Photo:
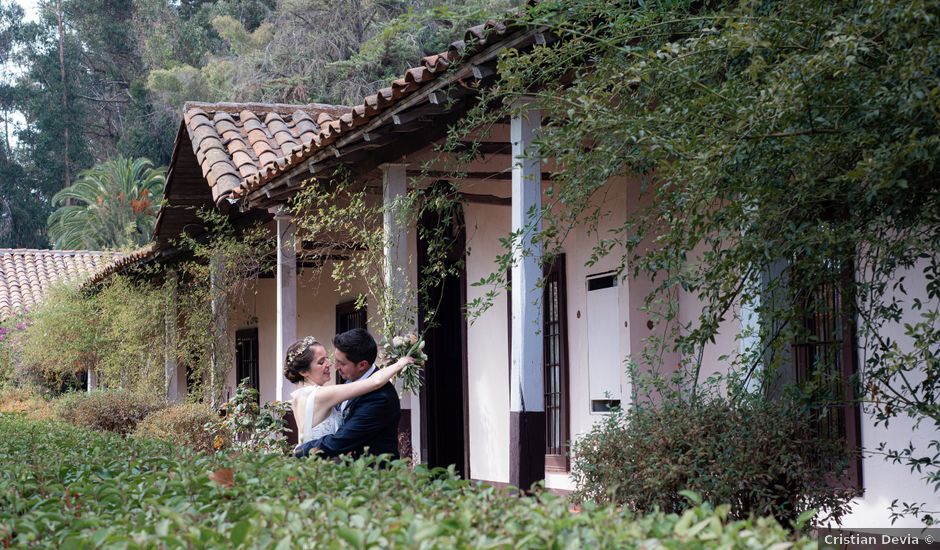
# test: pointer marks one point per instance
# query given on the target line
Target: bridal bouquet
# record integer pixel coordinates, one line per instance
(407, 346)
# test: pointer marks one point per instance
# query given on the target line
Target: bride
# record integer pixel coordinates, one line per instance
(314, 402)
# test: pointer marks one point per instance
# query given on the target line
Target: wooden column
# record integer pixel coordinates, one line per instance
(286, 300)
(397, 254)
(526, 406)
(171, 316)
(220, 360)
(395, 187)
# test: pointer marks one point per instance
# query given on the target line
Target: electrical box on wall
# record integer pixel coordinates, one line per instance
(602, 310)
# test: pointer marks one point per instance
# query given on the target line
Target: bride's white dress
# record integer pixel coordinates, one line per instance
(329, 425)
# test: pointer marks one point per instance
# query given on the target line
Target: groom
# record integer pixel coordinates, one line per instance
(370, 420)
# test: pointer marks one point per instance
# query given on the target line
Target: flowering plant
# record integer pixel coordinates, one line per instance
(406, 346)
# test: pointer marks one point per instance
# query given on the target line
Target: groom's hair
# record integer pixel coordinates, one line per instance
(357, 344)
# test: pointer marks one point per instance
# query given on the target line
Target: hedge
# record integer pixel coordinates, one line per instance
(68, 487)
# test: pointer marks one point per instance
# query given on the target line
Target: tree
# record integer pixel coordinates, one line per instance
(114, 206)
(784, 147)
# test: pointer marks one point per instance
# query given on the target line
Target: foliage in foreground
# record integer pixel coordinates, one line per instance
(756, 455)
(104, 491)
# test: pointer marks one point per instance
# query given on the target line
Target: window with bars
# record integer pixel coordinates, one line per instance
(554, 361)
(348, 318)
(824, 358)
(246, 357)
(555, 365)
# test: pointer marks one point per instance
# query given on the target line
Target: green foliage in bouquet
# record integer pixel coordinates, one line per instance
(395, 348)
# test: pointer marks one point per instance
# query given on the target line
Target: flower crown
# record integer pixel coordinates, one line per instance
(297, 351)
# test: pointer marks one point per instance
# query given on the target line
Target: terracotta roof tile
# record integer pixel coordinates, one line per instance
(121, 262)
(27, 275)
(235, 141)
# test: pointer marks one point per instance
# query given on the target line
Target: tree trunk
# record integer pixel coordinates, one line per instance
(65, 96)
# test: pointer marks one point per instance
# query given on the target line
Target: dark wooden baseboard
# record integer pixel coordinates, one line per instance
(526, 448)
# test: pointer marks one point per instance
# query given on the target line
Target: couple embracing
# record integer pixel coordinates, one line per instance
(349, 418)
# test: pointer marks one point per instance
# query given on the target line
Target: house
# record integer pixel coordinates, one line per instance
(506, 393)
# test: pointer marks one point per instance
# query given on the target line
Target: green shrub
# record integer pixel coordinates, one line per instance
(65, 487)
(756, 455)
(116, 411)
(247, 427)
(192, 425)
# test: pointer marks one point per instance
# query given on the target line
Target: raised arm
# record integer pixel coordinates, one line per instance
(329, 396)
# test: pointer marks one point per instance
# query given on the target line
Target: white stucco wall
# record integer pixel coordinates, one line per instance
(883, 481)
(488, 345)
(487, 348)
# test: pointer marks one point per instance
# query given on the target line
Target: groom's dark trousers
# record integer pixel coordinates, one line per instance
(371, 420)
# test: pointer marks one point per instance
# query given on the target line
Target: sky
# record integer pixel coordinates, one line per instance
(31, 8)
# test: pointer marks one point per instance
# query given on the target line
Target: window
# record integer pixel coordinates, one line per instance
(555, 365)
(824, 358)
(554, 361)
(246, 357)
(348, 318)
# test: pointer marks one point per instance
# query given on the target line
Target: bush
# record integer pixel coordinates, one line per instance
(104, 491)
(117, 411)
(192, 425)
(756, 455)
(247, 427)
(25, 400)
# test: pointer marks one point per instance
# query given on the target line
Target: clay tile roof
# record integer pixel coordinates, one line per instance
(274, 157)
(27, 275)
(125, 260)
(234, 142)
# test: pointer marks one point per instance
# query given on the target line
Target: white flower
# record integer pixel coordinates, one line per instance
(421, 345)
(398, 341)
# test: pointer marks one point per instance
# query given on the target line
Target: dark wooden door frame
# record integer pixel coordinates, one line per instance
(464, 368)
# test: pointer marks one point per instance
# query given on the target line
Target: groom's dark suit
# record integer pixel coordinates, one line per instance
(371, 420)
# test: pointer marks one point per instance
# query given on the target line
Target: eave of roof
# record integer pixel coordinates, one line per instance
(487, 36)
(127, 260)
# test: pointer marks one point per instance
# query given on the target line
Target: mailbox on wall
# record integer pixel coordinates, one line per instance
(603, 342)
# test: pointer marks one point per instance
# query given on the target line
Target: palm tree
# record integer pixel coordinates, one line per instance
(112, 205)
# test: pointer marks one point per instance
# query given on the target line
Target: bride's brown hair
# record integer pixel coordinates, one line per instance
(299, 357)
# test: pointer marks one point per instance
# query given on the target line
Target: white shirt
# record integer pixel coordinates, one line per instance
(365, 375)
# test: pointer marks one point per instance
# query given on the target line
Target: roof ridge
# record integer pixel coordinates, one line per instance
(234, 107)
(55, 251)
(476, 38)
